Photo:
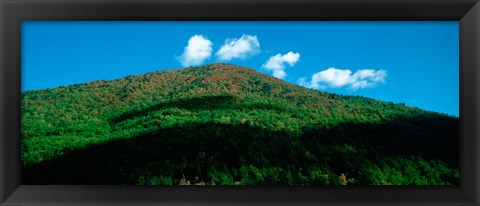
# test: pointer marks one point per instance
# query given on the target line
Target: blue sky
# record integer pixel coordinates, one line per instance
(416, 63)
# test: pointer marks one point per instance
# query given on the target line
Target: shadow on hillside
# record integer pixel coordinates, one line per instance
(193, 149)
(427, 137)
(190, 148)
(200, 103)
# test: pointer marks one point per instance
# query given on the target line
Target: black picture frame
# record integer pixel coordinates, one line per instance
(13, 12)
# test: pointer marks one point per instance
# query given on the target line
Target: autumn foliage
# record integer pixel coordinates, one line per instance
(223, 124)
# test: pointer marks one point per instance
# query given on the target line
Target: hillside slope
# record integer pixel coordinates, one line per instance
(226, 124)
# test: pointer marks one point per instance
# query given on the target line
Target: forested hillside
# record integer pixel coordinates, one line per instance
(229, 125)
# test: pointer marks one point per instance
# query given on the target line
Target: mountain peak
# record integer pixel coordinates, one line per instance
(225, 76)
(217, 122)
(220, 64)
(220, 67)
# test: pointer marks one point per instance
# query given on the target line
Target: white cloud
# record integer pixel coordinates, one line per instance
(198, 50)
(279, 74)
(332, 77)
(335, 78)
(277, 63)
(241, 48)
(302, 81)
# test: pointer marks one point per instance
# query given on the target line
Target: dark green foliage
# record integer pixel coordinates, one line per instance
(228, 125)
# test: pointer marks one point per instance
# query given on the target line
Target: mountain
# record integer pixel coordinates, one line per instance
(227, 124)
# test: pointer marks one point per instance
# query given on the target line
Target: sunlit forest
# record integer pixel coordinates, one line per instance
(222, 124)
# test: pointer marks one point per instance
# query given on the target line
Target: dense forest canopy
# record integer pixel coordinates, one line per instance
(227, 124)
